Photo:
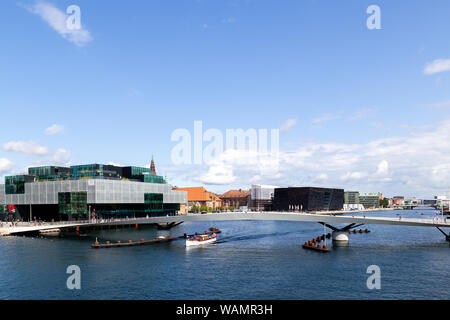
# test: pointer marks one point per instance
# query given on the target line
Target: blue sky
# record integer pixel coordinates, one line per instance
(145, 68)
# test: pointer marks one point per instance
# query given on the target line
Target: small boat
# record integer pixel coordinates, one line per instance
(202, 239)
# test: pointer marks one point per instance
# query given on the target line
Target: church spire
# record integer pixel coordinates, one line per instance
(152, 168)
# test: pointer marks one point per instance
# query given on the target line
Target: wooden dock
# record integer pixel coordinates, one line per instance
(315, 244)
(315, 248)
(142, 242)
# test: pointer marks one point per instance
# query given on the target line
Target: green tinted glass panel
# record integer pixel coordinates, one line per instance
(72, 203)
(49, 173)
(15, 185)
(40, 171)
(154, 201)
(90, 171)
(135, 171)
(154, 179)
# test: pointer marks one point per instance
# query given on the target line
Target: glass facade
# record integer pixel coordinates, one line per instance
(92, 171)
(16, 184)
(351, 197)
(153, 179)
(369, 200)
(40, 171)
(74, 203)
(154, 201)
(99, 191)
(135, 171)
(63, 192)
(171, 207)
(142, 174)
(327, 196)
(49, 173)
(153, 206)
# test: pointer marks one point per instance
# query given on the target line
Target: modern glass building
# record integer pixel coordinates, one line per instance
(351, 197)
(261, 197)
(61, 193)
(369, 200)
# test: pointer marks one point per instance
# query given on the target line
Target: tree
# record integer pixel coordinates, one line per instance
(384, 203)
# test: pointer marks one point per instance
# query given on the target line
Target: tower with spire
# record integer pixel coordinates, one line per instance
(152, 168)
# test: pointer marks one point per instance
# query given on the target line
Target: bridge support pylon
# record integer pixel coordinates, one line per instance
(447, 236)
(340, 236)
(167, 226)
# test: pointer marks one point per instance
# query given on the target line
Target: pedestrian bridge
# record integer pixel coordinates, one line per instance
(25, 228)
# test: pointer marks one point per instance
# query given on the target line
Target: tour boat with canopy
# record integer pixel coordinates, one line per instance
(201, 239)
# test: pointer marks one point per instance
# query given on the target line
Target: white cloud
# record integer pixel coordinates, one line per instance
(412, 164)
(383, 167)
(44, 162)
(231, 164)
(437, 66)
(354, 175)
(54, 129)
(119, 165)
(322, 176)
(28, 147)
(57, 20)
(61, 156)
(219, 173)
(325, 118)
(289, 123)
(5, 165)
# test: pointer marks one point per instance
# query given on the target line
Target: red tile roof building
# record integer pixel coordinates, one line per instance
(199, 196)
(235, 198)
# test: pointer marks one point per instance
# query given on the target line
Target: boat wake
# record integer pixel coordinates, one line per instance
(252, 237)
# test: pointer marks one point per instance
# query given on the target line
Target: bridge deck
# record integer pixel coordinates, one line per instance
(249, 216)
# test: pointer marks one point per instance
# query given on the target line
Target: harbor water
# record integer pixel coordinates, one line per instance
(251, 260)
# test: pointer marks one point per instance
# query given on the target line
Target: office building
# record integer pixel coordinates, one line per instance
(369, 200)
(261, 197)
(308, 199)
(235, 199)
(351, 197)
(107, 191)
(200, 197)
